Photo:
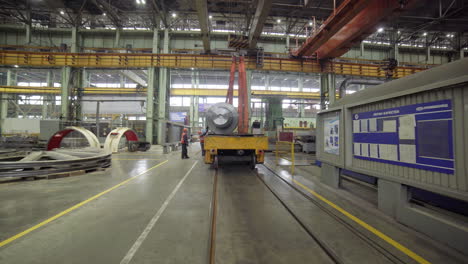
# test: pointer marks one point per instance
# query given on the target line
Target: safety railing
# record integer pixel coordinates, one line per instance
(284, 153)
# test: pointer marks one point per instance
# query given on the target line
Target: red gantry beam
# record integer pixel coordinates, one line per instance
(353, 21)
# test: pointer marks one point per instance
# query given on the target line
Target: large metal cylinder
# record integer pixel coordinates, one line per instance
(222, 118)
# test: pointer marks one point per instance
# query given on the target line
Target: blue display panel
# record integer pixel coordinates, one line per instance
(418, 136)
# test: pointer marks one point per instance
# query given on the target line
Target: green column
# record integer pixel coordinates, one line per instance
(327, 89)
(47, 99)
(274, 113)
(300, 84)
(163, 93)
(152, 82)
(150, 95)
(65, 93)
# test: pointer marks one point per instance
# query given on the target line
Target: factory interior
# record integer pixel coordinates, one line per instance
(233, 131)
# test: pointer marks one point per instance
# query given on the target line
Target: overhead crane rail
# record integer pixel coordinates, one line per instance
(174, 92)
(189, 61)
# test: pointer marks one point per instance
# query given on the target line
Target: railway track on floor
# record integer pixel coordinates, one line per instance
(323, 244)
(213, 213)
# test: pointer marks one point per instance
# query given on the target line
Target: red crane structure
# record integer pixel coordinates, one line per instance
(350, 23)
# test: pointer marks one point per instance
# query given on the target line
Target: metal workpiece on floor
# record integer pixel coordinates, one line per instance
(43, 163)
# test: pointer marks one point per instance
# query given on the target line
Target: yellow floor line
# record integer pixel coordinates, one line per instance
(373, 230)
(29, 230)
(136, 159)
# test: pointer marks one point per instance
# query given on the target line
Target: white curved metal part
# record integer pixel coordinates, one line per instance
(56, 139)
(113, 138)
(92, 139)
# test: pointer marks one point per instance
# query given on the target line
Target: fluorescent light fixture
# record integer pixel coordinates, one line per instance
(310, 23)
(138, 2)
(16, 66)
(174, 15)
(425, 34)
(279, 20)
(380, 30)
(61, 12)
(399, 32)
(210, 17)
(104, 14)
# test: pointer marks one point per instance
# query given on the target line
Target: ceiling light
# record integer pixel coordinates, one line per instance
(425, 34)
(279, 20)
(61, 12)
(310, 23)
(16, 66)
(104, 14)
(380, 30)
(174, 15)
(138, 2)
(210, 17)
(398, 32)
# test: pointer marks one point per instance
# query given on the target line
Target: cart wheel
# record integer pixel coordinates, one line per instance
(215, 164)
(253, 162)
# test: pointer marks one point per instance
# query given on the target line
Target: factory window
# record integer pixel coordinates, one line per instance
(179, 101)
(30, 100)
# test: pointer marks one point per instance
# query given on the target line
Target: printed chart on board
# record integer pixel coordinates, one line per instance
(331, 132)
(418, 136)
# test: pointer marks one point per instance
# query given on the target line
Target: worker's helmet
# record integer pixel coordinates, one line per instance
(185, 129)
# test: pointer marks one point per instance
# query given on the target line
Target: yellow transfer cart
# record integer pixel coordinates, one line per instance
(239, 147)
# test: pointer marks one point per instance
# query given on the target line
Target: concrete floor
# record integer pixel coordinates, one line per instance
(252, 225)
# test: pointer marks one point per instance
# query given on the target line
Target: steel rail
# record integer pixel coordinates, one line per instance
(386, 253)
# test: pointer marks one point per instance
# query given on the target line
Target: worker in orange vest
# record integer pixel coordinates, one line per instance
(184, 142)
(202, 135)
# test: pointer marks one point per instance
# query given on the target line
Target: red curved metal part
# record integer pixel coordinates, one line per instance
(56, 139)
(130, 135)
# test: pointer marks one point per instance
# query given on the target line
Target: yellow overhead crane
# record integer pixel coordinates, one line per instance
(188, 61)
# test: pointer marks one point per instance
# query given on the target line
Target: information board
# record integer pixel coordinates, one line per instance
(331, 135)
(177, 116)
(418, 136)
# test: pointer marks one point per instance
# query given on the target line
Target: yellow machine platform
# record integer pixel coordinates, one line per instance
(249, 147)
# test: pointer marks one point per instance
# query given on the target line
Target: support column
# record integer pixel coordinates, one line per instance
(394, 45)
(12, 77)
(267, 81)
(287, 43)
(362, 49)
(47, 99)
(74, 40)
(150, 95)
(10, 80)
(65, 93)
(300, 84)
(118, 32)
(79, 83)
(327, 89)
(27, 39)
(194, 100)
(162, 95)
